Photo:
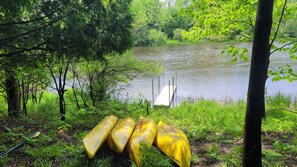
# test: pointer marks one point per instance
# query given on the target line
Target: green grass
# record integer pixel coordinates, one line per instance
(214, 130)
(177, 42)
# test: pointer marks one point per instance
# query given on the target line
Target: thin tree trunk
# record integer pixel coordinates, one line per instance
(34, 93)
(91, 82)
(60, 87)
(74, 94)
(252, 156)
(80, 86)
(25, 95)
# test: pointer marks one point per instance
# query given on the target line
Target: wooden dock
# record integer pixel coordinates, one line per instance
(166, 96)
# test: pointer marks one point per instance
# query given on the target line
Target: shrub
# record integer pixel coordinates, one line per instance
(157, 37)
(177, 34)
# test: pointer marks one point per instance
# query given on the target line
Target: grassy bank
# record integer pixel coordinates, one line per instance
(214, 131)
(186, 42)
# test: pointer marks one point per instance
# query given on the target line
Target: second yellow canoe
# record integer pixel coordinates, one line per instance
(96, 137)
(145, 132)
(120, 134)
(173, 143)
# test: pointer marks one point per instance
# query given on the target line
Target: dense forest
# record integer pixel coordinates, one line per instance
(61, 64)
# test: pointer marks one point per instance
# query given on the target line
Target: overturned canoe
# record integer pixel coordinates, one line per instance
(144, 132)
(173, 143)
(120, 134)
(96, 137)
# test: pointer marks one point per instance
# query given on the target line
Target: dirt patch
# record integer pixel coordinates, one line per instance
(212, 153)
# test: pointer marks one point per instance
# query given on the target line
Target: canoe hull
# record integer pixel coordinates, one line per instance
(145, 132)
(96, 137)
(174, 144)
(120, 134)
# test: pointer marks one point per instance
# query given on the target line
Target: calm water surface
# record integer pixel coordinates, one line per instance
(202, 72)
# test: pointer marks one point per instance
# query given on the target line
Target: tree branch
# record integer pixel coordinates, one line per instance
(273, 68)
(53, 75)
(29, 21)
(279, 22)
(23, 50)
(34, 30)
(282, 47)
(35, 48)
(37, 19)
(251, 23)
(65, 74)
(291, 111)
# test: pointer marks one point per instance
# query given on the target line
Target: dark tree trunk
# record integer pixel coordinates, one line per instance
(13, 96)
(62, 105)
(252, 156)
(74, 94)
(34, 93)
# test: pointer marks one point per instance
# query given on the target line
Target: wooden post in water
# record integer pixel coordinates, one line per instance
(169, 94)
(163, 80)
(173, 91)
(176, 88)
(152, 93)
(158, 84)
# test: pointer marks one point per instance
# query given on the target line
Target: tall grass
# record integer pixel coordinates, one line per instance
(278, 117)
(199, 118)
(279, 100)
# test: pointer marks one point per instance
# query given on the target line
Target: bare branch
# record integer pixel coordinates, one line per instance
(274, 69)
(52, 74)
(279, 22)
(251, 24)
(292, 111)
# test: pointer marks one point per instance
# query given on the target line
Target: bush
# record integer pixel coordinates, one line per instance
(148, 37)
(177, 34)
(157, 37)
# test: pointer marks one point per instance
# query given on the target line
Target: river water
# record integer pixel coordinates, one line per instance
(200, 71)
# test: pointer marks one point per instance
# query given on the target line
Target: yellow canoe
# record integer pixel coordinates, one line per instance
(96, 137)
(145, 132)
(173, 143)
(120, 134)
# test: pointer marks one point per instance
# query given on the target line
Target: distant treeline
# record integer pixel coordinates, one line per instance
(156, 21)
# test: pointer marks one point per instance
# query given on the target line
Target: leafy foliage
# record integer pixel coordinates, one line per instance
(155, 21)
(237, 53)
(231, 19)
(102, 79)
(38, 31)
(283, 73)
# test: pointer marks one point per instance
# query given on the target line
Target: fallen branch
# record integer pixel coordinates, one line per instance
(291, 111)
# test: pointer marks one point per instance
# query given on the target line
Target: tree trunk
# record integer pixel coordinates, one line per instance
(91, 82)
(255, 110)
(75, 96)
(62, 105)
(25, 91)
(13, 96)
